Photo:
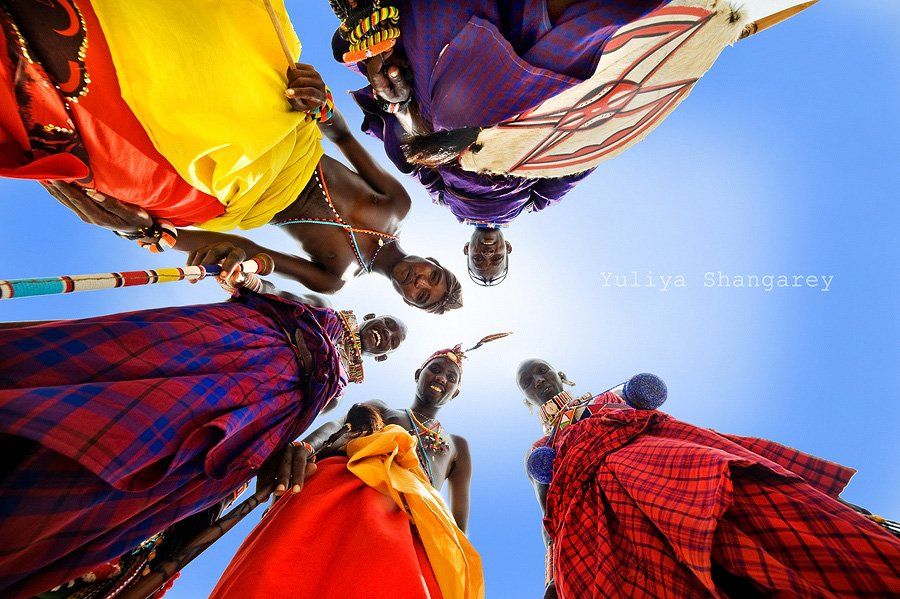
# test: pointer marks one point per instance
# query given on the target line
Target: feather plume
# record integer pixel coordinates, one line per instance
(488, 339)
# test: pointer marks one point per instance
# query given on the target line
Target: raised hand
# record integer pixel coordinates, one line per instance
(386, 76)
(227, 254)
(287, 470)
(98, 209)
(306, 90)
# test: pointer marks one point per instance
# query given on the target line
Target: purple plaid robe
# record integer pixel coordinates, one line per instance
(477, 63)
(121, 425)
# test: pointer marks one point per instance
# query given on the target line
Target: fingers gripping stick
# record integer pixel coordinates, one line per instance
(261, 264)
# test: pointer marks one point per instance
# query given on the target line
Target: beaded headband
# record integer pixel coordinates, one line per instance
(456, 354)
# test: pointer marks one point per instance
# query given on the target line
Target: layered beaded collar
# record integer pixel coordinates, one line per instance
(351, 347)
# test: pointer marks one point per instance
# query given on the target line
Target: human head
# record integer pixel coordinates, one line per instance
(381, 335)
(438, 379)
(425, 284)
(487, 255)
(539, 381)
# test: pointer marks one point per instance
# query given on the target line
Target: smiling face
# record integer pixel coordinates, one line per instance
(488, 256)
(382, 335)
(539, 381)
(438, 381)
(422, 282)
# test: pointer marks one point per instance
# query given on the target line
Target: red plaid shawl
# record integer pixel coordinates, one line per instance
(131, 422)
(642, 505)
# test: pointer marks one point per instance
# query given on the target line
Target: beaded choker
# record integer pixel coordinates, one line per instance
(351, 347)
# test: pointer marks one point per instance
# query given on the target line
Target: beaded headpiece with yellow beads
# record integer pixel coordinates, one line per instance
(371, 28)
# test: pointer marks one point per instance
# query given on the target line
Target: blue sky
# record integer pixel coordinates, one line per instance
(783, 161)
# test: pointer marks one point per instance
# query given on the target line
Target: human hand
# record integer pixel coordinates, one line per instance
(225, 253)
(385, 74)
(287, 470)
(306, 89)
(98, 209)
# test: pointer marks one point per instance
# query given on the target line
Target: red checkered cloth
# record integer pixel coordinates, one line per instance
(642, 505)
(125, 424)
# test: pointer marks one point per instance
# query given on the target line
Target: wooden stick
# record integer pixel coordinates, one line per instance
(162, 572)
(280, 31)
(774, 19)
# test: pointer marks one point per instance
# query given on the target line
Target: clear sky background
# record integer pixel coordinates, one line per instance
(783, 161)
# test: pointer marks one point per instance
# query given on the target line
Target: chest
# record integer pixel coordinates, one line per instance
(435, 452)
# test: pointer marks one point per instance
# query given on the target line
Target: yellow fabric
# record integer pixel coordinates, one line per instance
(206, 79)
(387, 462)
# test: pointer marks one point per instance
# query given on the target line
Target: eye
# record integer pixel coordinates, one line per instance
(435, 368)
(435, 277)
(391, 324)
(478, 260)
(542, 370)
(451, 377)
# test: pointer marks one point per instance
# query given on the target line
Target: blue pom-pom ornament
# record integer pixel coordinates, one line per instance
(540, 464)
(645, 391)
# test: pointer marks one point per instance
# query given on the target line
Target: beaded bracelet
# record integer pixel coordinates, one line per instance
(157, 238)
(325, 112)
(393, 107)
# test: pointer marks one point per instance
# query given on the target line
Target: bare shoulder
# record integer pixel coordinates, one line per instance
(461, 446)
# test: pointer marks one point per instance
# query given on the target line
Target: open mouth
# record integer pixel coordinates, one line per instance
(436, 388)
(376, 337)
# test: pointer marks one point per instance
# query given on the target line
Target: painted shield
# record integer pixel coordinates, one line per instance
(648, 67)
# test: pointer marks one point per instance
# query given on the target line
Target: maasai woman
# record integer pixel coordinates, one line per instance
(178, 111)
(474, 64)
(118, 426)
(370, 522)
(642, 505)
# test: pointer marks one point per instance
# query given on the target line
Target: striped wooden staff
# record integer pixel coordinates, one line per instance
(261, 264)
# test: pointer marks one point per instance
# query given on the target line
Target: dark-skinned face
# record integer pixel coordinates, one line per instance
(381, 335)
(538, 381)
(438, 381)
(420, 281)
(487, 253)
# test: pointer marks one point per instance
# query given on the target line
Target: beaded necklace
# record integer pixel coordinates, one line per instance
(383, 238)
(430, 438)
(351, 347)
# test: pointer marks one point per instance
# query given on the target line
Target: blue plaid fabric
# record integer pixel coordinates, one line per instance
(477, 63)
(127, 423)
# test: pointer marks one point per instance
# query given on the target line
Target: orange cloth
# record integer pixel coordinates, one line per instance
(338, 538)
(123, 161)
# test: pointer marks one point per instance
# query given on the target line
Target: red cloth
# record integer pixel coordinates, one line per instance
(337, 538)
(642, 505)
(107, 148)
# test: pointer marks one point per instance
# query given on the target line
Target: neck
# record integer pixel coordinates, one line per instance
(423, 409)
(388, 258)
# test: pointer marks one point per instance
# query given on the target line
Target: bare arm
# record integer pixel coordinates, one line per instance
(460, 480)
(367, 167)
(540, 493)
(207, 247)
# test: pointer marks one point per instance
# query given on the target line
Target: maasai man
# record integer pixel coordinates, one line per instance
(116, 427)
(370, 522)
(642, 505)
(474, 64)
(195, 125)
